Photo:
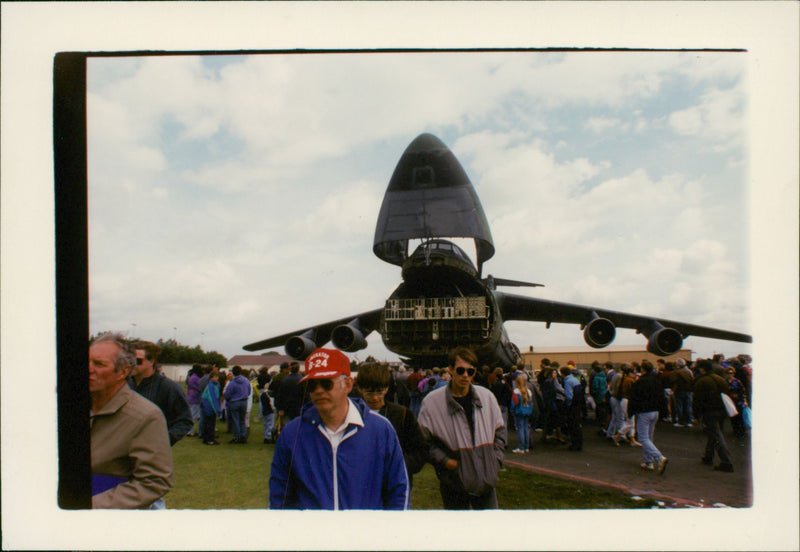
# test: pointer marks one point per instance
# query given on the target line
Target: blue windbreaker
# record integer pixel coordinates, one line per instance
(209, 400)
(368, 472)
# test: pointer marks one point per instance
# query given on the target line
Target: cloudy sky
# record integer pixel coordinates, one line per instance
(233, 198)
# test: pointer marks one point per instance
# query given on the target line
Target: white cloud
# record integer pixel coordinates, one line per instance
(343, 213)
(253, 190)
(718, 118)
(601, 124)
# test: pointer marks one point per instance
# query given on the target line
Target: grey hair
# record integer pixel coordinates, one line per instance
(126, 357)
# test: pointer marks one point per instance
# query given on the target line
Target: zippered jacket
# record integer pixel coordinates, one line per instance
(444, 424)
(210, 399)
(684, 380)
(131, 457)
(170, 398)
(365, 472)
(647, 394)
(415, 449)
(706, 397)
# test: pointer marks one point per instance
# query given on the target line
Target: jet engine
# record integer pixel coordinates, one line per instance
(348, 337)
(300, 346)
(599, 332)
(664, 341)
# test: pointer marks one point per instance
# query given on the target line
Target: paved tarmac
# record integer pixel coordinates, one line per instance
(686, 482)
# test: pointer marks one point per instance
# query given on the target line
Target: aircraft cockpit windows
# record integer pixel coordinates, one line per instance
(460, 252)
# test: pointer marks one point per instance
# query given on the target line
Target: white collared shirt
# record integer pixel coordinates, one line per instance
(335, 436)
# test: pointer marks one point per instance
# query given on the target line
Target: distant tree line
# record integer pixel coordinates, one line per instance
(173, 352)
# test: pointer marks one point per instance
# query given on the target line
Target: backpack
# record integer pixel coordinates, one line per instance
(519, 408)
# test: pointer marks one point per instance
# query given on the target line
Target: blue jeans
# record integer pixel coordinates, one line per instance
(237, 410)
(628, 423)
(523, 424)
(617, 417)
(195, 410)
(645, 426)
(504, 412)
(415, 403)
(269, 423)
(683, 403)
(158, 504)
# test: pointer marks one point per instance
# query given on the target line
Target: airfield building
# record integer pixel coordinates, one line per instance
(584, 356)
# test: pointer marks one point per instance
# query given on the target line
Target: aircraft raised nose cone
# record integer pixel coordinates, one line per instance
(425, 142)
(429, 196)
(428, 163)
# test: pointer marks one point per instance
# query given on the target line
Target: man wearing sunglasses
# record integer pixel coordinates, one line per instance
(165, 393)
(464, 426)
(157, 388)
(338, 454)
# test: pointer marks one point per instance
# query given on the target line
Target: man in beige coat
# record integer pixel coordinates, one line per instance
(131, 456)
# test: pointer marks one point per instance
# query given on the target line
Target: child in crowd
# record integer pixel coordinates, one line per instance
(209, 410)
(267, 414)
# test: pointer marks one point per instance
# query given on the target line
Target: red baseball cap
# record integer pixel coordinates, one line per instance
(326, 364)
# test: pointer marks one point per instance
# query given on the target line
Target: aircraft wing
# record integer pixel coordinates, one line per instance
(517, 307)
(320, 334)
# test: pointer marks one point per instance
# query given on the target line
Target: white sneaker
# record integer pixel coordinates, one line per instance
(517, 451)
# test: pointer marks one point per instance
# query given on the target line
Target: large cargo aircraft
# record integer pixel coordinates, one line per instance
(443, 300)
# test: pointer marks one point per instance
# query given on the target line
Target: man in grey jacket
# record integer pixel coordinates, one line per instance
(464, 427)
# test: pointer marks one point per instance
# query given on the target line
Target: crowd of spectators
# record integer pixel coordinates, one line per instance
(424, 408)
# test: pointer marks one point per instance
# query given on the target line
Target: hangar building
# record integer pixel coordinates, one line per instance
(584, 356)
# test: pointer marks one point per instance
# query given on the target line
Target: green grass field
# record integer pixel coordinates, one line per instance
(237, 477)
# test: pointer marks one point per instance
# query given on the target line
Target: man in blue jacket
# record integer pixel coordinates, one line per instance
(338, 455)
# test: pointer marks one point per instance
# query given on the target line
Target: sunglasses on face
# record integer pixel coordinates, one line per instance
(470, 371)
(139, 361)
(326, 384)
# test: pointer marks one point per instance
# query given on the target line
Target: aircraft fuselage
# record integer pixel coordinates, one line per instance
(441, 304)
(443, 301)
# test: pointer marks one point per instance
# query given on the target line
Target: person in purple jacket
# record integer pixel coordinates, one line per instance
(237, 393)
(338, 454)
(193, 394)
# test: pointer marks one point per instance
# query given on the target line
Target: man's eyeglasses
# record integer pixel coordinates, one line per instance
(470, 371)
(372, 391)
(326, 384)
(139, 361)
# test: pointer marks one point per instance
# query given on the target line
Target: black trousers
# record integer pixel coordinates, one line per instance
(712, 427)
(454, 500)
(574, 429)
(208, 423)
